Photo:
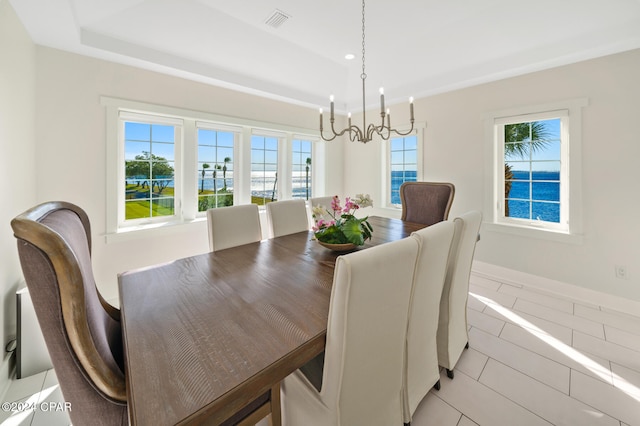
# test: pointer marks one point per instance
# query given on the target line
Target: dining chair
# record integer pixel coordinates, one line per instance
(233, 226)
(320, 201)
(421, 372)
(453, 336)
(426, 202)
(81, 330)
(287, 217)
(358, 378)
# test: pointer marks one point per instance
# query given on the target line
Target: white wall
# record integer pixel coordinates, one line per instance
(71, 146)
(454, 151)
(17, 158)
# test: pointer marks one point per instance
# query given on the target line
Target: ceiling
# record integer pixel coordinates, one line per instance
(413, 47)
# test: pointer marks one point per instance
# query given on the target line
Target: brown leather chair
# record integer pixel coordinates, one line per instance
(426, 202)
(81, 330)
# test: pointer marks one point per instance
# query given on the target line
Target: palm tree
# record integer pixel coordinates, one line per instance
(215, 189)
(205, 166)
(308, 166)
(273, 193)
(224, 172)
(521, 140)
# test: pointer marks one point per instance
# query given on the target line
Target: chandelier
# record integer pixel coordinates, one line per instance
(365, 134)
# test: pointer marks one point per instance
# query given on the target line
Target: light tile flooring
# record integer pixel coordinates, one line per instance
(534, 359)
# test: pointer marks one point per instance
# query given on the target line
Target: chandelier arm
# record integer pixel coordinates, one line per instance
(384, 132)
(350, 129)
(405, 133)
(327, 139)
(355, 134)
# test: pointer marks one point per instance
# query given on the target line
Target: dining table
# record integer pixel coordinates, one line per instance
(205, 336)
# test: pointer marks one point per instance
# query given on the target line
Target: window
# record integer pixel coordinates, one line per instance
(403, 158)
(215, 168)
(536, 183)
(166, 166)
(533, 162)
(149, 168)
(534, 152)
(301, 169)
(264, 169)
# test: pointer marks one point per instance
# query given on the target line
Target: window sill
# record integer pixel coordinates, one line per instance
(152, 230)
(539, 233)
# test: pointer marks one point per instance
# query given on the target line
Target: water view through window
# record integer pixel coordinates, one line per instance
(404, 164)
(264, 169)
(215, 168)
(532, 170)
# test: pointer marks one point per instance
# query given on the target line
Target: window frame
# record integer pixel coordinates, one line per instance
(178, 124)
(565, 189)
(186, 158)
(313, 144)
(418, 131)
(570, 228)
(281, 168)
(237, 138)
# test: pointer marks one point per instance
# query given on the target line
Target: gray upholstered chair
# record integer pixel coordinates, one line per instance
(81, 330)
(426, 202)
(453, 336)
(358, 379)
(421, 371)
(287, 217)
(233, 226)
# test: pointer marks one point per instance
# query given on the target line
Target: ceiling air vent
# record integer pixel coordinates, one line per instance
(277, 18)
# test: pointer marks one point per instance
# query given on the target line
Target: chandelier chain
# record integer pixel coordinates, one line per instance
(364, 74)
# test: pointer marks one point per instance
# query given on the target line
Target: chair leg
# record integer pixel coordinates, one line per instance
(276, 414)
(437, 385)
(449, 373)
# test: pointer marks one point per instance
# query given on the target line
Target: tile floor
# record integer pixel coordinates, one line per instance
(534, 359)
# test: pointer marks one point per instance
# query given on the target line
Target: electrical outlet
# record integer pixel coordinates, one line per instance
(621, 272)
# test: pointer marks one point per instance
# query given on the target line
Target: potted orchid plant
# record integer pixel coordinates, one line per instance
(337, 225)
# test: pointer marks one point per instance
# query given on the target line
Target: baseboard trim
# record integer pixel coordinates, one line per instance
(558, 288)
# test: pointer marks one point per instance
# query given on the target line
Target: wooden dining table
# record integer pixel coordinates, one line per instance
(207, 335)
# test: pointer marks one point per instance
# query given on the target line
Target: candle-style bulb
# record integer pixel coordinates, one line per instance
(382, 100)
(411, 107)
(331, 100)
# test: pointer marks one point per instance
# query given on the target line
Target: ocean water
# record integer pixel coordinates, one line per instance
(397, 179)
(535, 196)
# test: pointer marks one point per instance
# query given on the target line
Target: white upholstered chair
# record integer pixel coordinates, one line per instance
(320, 201)
(233, 226)
(361, 370)
(452, 325)
(421, 371)
(287, 217)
